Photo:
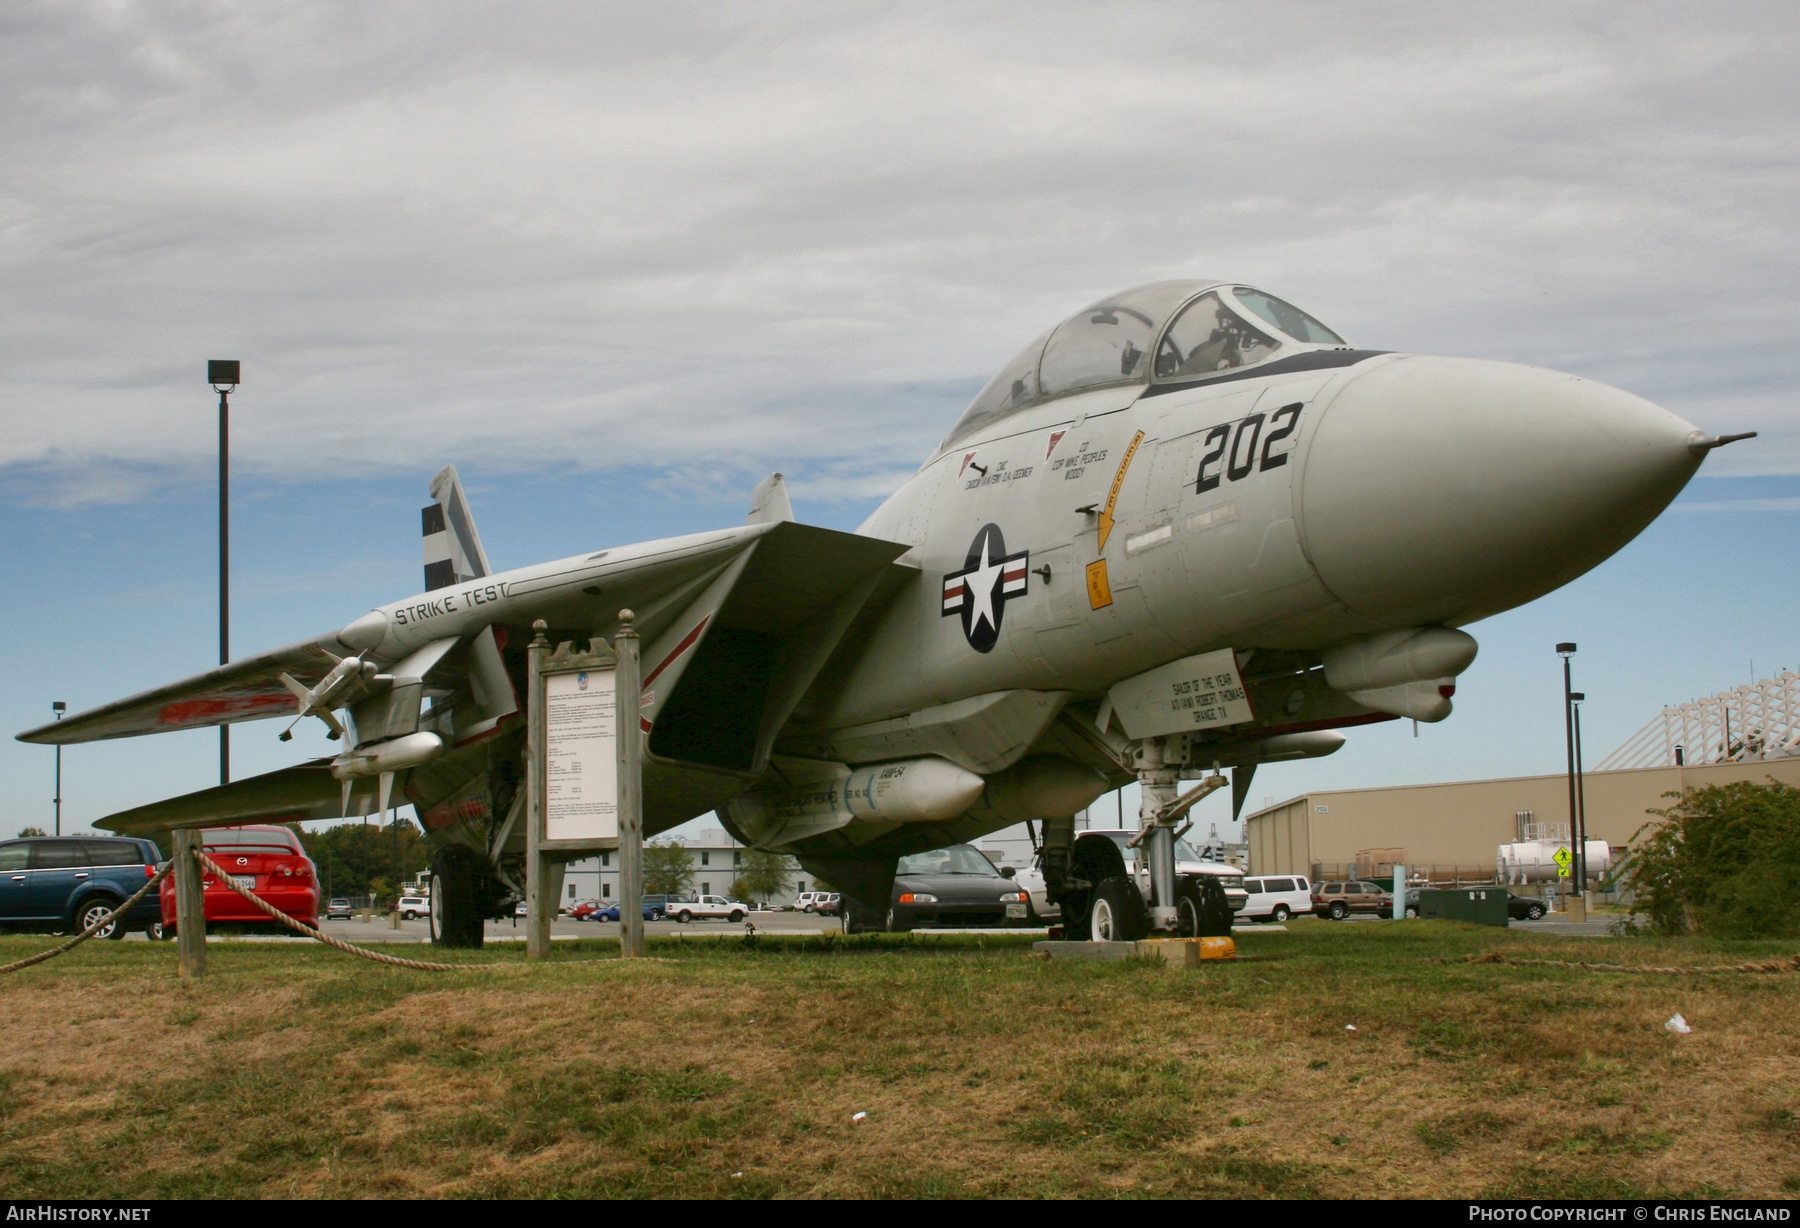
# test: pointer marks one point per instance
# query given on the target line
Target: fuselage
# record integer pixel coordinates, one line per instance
(1330, 493)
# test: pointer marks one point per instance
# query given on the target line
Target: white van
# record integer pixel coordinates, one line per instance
(1276, 897)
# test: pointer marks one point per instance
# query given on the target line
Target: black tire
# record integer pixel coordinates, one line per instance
(156, 933)
(1093, 860)
(461, 896)
(859, 918)
(1337, 910)
(91, 910)
(1412, 911)
(1117, 913)
(1201, 908)
(684, 916)
(409, 915)
(1280, 914)
(737, 914)
(1534, 912)
(895, 925)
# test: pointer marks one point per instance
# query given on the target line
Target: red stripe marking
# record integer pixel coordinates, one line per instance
(644, 723)
(687, 642)
(185, 711)
(953, 592)
(1013, 575)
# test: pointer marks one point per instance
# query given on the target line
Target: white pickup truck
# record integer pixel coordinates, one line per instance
(687, 908)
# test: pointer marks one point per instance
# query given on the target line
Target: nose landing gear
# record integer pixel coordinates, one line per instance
(1186, 906)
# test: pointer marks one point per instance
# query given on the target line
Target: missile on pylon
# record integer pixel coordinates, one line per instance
(318, 701)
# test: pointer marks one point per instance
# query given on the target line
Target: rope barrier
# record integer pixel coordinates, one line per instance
(327, 939)
(91, 930)
(1494, 957)
(298, 927)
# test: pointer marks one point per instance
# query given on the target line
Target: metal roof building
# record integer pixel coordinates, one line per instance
(1750, 733)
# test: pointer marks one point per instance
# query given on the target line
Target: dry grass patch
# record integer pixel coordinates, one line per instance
(734, 1070)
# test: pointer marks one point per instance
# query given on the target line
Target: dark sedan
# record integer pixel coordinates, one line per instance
(1518, 907)
(956, 886)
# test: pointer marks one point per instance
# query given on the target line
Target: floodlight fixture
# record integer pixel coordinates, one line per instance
(1565, 650)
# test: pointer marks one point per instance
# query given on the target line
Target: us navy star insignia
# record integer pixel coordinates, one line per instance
(989, 579)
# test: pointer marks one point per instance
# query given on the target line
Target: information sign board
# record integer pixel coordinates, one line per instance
(1197, 692)
(581, 756)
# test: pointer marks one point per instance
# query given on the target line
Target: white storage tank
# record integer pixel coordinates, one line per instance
(1534, 861)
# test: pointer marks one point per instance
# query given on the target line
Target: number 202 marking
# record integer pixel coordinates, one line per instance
(1241, 443)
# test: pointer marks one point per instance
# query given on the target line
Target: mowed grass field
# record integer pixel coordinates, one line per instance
(731, 1070)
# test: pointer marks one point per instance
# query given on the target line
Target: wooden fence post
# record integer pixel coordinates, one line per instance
(190, 904)
(631, 790)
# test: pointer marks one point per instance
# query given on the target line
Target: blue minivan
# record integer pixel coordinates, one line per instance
(68, 882)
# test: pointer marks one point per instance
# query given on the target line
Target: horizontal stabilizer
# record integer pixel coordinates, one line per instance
(292, 794)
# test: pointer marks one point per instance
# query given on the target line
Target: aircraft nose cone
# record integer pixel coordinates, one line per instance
(1448, 489)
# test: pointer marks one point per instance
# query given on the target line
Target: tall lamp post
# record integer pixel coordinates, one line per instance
(1580, 832)
(222, 374)
(1577, 865)
(59, 707)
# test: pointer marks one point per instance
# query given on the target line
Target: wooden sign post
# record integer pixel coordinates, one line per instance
(584, 778)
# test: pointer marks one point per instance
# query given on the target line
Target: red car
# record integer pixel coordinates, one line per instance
(267, 860)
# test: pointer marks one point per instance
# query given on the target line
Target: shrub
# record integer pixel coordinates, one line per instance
(1725, 861)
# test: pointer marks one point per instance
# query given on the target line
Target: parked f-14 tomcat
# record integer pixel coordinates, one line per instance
(1190, 528)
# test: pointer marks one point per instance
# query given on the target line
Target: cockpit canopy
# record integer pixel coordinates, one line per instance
(1164, 332)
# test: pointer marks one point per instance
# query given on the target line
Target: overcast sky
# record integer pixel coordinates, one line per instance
(611, 256)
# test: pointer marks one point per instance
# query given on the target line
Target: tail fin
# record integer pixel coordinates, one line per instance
(769, 502)
(453, 550)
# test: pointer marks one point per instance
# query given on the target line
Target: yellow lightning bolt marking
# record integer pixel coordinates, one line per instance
(1112, 498)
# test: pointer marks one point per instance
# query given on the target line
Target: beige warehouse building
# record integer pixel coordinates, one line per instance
(1460, 826)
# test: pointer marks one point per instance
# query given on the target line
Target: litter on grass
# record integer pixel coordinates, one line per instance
(1349, 1027)
(1678, 1025)
(857, 1118)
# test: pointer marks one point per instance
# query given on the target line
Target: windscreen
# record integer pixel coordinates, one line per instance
(957, 859)
(234, 841)
(1287, 317)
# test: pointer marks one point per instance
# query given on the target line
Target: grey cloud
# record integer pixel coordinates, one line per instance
(797, 237)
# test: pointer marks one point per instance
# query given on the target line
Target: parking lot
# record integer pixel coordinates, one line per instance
(381, 929)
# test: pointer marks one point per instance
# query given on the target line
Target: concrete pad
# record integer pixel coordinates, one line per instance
(1187, 952)
(1179, 952)
(1085, 950)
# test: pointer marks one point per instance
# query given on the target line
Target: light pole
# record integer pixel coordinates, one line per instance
(1565, 651)
(1580, 849)
(59, 707)
(222, 374)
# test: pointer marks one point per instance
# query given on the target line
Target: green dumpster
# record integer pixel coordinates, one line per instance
(1480, 905)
